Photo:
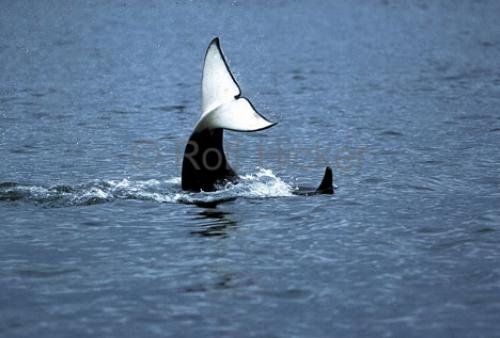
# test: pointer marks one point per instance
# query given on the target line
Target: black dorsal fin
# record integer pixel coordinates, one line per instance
(326, 186)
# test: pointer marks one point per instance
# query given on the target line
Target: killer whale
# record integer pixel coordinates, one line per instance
(204, 165)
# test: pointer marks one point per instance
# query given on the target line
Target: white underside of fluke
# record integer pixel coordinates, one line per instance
(222, 106)
(236, 115)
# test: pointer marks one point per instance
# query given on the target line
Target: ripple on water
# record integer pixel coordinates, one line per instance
(373, 180)
(45, 273)
(261, 184)
(392, 133)
(290, 294)
(176, 108)
(25, 149)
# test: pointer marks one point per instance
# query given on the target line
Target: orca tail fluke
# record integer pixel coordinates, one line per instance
(326, 186)
(222, 103)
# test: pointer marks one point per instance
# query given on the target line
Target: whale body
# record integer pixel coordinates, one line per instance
(204, 165)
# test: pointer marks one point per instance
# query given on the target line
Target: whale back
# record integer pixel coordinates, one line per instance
(204, 164)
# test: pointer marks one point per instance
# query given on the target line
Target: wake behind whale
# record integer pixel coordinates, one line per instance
(261, 184)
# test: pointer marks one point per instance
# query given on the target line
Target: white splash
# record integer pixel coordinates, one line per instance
(264, 183)
(261, 184)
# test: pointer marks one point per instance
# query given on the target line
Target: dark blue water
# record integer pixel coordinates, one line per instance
(97, 100)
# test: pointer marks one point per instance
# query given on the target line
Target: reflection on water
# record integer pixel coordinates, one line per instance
(97, 100)
(212, 222)
(222, 280)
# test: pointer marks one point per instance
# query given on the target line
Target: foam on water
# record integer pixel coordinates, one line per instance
(264, 183)
(261, 184)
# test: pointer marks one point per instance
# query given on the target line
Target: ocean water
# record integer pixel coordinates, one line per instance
(402, 99)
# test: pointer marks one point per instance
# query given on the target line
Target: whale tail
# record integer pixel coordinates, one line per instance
(326, 186)
(222, 103)
(204, 164)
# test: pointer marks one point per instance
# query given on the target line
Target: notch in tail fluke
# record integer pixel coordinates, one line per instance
(222, 103)
(326, 186)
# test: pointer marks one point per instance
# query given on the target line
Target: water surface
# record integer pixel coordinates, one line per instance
(402, 100)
